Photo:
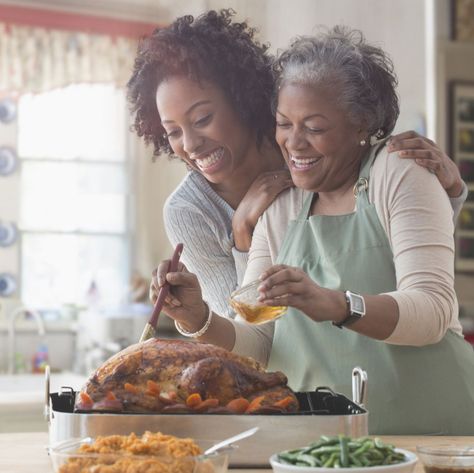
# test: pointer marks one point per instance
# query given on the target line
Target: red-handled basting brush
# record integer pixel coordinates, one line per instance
(150, 327)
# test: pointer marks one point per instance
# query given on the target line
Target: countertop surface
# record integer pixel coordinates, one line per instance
(26, 453)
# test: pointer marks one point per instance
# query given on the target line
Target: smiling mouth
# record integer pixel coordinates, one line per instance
(303, 163)
(209, 160)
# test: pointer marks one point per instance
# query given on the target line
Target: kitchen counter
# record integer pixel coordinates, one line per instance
(22, 399)
(25, 452)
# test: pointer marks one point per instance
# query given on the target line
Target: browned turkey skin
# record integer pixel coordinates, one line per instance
(181, 376)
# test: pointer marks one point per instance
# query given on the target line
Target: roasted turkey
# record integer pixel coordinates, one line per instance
(180, 376)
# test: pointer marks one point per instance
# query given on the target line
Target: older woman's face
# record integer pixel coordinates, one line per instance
(203, 128)
(319, 143)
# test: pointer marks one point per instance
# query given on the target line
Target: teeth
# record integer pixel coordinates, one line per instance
(303, 162)
(210, 159)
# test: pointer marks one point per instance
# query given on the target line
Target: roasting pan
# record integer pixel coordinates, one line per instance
(322, 412)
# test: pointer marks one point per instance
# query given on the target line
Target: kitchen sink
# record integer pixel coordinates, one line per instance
(22, 399)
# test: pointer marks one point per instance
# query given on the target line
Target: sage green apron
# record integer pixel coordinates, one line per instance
(411, 390)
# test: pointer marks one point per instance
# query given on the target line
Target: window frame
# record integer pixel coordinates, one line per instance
(127, 235)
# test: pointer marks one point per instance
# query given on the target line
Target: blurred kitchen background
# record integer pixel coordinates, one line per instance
(80, 198)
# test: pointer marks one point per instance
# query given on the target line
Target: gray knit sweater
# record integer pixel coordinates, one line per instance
(200, 219)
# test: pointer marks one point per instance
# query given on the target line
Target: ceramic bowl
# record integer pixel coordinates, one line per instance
(402, 467)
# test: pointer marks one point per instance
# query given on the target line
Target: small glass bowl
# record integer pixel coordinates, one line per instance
(447, 458)
(245, 302)
(66, 459)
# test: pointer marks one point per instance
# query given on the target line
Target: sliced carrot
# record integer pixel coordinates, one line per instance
(110, 396)
(153, 387)
(193, 400)
(255, 404)
(131, 388)
(239, 405)
(207, 404)
(284, 403)
(85, 398)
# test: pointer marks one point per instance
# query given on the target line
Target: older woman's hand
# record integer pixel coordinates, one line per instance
(426, 153)
(184, 302)
(290, 286)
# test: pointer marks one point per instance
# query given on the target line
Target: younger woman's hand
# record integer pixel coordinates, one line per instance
(184, 301)
(426, 153)
(289, 286)
(260, 195)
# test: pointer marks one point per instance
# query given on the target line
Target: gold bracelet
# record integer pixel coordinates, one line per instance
(200, 332)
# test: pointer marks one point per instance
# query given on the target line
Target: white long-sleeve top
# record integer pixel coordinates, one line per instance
(417, 216)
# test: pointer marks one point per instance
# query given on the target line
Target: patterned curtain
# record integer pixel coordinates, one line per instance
(38, 59)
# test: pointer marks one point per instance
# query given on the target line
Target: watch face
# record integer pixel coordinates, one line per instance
(357, 304)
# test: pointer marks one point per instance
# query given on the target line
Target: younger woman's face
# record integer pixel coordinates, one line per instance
(202, 127)
(318, 141)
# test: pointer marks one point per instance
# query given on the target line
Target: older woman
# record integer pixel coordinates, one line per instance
(365, 250)
(366, 266)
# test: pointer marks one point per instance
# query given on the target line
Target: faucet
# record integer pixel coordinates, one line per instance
(12, 332)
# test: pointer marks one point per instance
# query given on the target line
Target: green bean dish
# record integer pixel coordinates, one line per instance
(343, 452)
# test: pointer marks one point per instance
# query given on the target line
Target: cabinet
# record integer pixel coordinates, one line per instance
(462, 149)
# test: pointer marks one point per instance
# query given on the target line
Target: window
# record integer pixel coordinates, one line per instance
(74, 195)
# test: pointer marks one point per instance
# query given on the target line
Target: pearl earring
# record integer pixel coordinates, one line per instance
(363, 142)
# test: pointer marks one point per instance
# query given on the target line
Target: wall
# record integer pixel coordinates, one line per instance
(154, 181)
(397, 27)
(9, 205)
(454, 61)
(9, 212)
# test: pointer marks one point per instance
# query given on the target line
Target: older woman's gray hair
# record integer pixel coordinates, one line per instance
(363, 75)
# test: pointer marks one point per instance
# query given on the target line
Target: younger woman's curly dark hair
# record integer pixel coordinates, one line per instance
(212, 48)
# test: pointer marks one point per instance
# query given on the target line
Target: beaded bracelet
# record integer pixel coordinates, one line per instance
(200, 332)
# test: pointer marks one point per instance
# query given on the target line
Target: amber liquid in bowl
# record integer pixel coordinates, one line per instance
(258, 314)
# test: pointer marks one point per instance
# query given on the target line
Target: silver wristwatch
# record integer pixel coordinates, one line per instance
(355, 309)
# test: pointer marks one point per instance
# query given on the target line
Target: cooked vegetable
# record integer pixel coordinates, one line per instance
(152, 388)
(284, 403)
(343, 452)
(255, 404)
(238, 406)
(208, 403)
(131, 388)
(193, 400)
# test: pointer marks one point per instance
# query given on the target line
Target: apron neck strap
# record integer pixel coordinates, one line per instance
(369, 158)
(306, 206)
(361, 187)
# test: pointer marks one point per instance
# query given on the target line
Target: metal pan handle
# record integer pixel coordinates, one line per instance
(47, 378)
(359, 386)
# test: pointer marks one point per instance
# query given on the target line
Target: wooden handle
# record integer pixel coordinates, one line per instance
(165, 289)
